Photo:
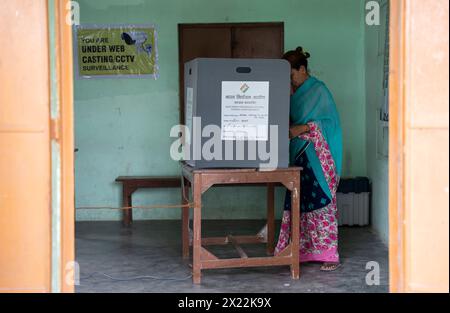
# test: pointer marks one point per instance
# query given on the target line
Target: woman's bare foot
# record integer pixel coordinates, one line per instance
(329, 267)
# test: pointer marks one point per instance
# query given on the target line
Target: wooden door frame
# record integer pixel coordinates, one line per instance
(184, 26)
(397, 107)
(410, 251)
(396, 140)
(64, 128)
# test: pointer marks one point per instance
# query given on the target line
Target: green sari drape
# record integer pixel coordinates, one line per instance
(313, 102)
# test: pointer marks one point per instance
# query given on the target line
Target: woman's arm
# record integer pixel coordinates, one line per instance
(297, 130)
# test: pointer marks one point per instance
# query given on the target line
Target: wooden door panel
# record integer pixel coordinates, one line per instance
(200, 41)
(258, 42)
(207, 42)
(25, 212)
(24, 147)
(24, 49)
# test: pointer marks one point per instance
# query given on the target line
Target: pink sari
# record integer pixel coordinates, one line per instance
(319, 228)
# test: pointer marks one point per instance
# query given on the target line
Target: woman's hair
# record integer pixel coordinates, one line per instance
(297, 58)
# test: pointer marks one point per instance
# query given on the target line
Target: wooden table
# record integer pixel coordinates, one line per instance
(200, 180)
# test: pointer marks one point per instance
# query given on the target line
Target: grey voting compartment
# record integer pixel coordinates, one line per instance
(244, 98)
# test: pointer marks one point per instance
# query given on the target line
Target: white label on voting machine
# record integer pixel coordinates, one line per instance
(245, 110)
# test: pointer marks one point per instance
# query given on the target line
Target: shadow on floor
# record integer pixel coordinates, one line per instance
(153, 248)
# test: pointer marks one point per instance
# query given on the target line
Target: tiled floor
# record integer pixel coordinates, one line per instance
(153, 248)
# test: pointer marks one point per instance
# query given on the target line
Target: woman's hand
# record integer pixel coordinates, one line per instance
(297, 130)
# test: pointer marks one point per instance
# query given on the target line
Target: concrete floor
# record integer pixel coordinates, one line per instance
(153, 248)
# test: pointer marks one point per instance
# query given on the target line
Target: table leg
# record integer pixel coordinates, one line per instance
(185, 218)
(197, 241)
(295, 230)
(270, 219)
(127, 202)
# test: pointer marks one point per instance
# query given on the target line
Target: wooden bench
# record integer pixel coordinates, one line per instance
(132, 183)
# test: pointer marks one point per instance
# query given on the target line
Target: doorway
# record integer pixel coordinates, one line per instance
(413, 183)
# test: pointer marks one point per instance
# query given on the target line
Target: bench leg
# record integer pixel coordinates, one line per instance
(185, 219)
(295, 230)
(127, 202)
(270, 219)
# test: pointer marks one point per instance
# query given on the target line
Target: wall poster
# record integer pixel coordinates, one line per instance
(115, 51)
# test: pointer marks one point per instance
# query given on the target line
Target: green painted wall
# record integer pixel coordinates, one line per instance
(377, 164)
(122, 125)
